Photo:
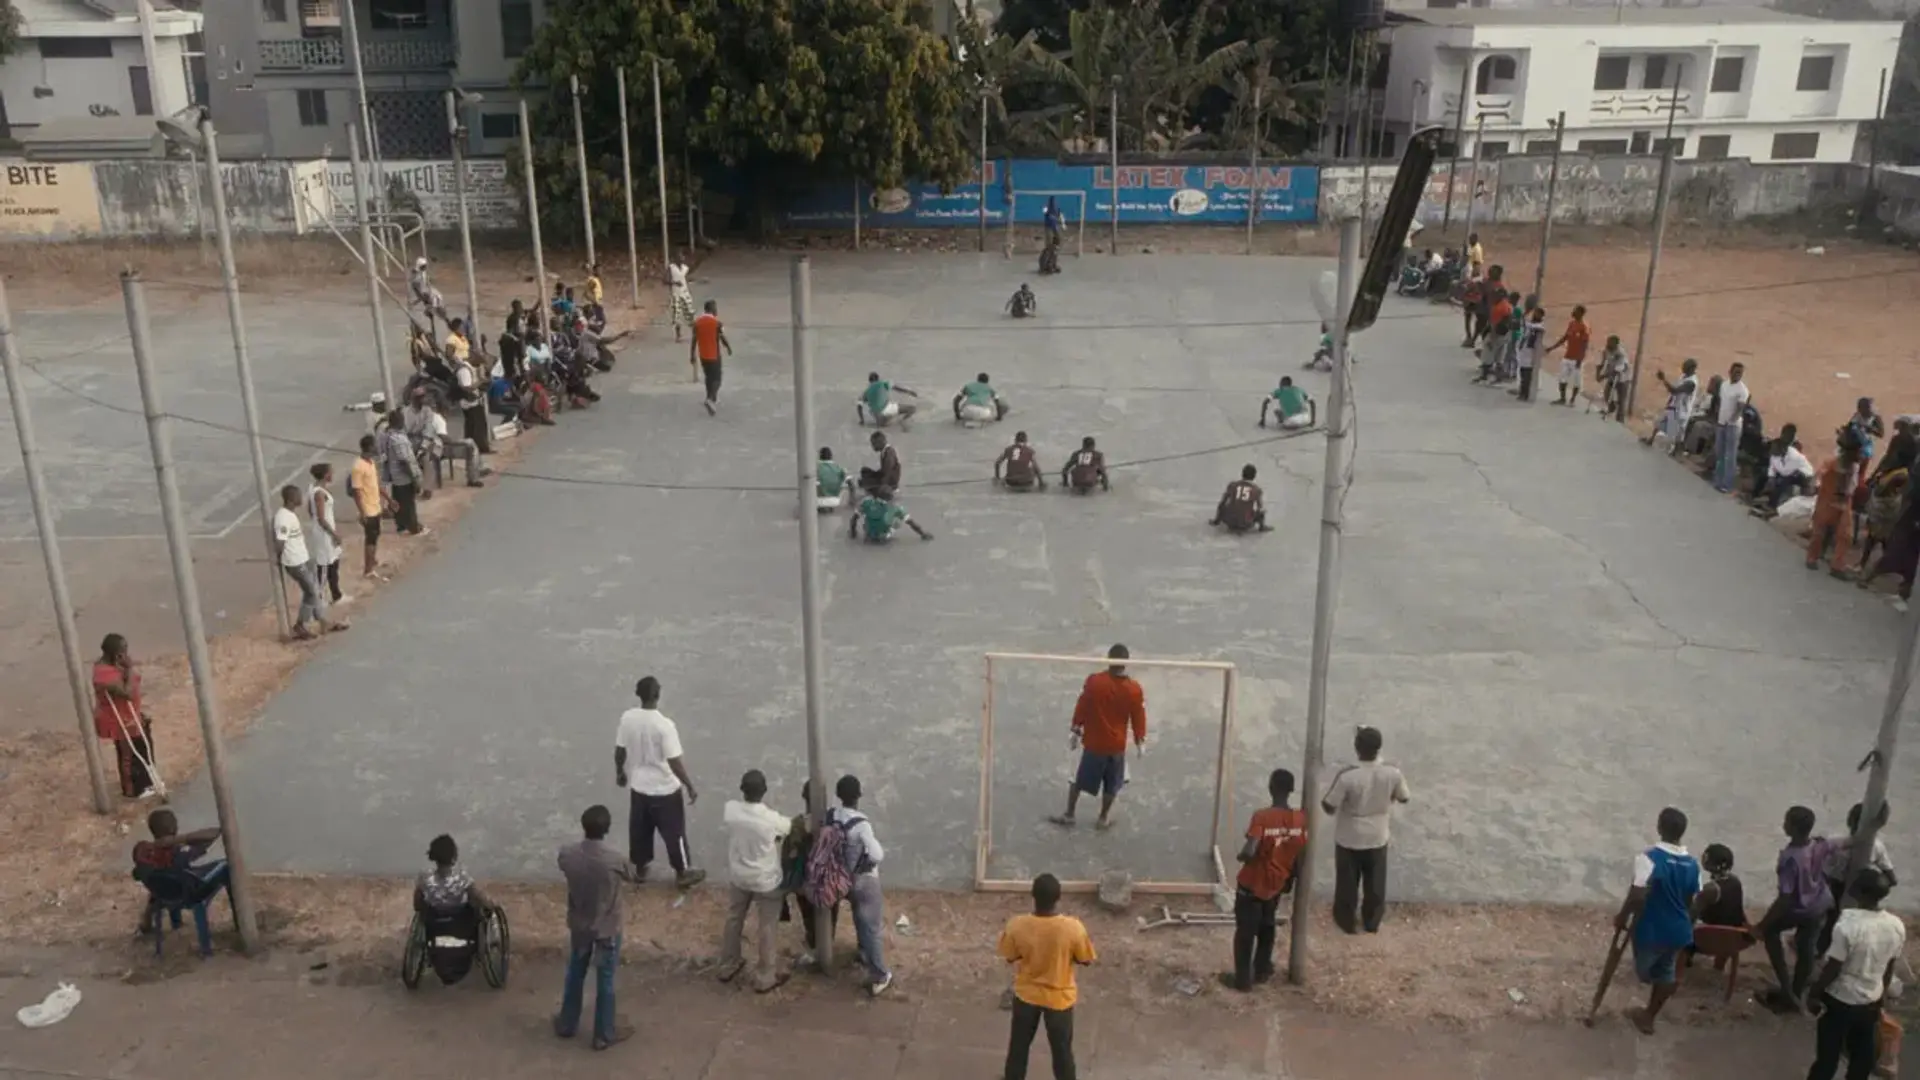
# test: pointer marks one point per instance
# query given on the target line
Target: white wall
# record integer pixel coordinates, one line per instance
(81, 86)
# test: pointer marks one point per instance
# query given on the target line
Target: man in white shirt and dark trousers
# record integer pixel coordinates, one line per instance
(1361, 799)
(863, 853)
(1852, 986)
(290, 542)
(1734, 395)
(754, 836)
(647, 762)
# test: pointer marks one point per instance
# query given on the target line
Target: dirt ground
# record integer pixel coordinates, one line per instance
(1724, 295)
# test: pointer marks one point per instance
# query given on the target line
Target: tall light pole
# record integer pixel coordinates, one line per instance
(810, 574)
(203, 141)
(1546, 228)
(626, 184)
(983, 171)
(363, 214)
(348, 19)
(1459, 138)
(1113, 156)
(1662, 194)
(660, 162)
(1253, 168)
(457, 129)
(541, 311)
(580, 159)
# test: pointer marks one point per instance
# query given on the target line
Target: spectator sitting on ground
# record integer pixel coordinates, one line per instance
(1788, 473)
(171, 850)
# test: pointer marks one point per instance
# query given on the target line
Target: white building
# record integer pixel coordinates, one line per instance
(82, 61)
(1740, 82)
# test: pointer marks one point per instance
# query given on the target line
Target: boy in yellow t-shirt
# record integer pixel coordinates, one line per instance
(1044, 947)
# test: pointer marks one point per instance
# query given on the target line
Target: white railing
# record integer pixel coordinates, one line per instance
(1638, 106)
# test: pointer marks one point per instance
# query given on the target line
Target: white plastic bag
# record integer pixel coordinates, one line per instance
(57, 1007)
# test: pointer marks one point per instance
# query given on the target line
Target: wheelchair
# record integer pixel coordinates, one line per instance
(450, 943)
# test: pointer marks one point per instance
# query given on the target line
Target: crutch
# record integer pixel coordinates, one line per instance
(150, 759)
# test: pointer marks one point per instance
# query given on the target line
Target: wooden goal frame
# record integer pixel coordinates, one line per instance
(1222, 788)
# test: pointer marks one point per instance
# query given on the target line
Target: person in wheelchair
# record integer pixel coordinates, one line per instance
(446, 895)
(451, 922)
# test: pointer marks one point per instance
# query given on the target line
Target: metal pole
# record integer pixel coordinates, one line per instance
(660, 158)
(686, 186)
(1459, 139)
(1253, 167)
(541, 310)
(1473, 169)
(983, 172)
(1113, 153)
(1325, 596)
(77, 680)
(1362, 138)
(230, 279)
(856, 213)
(458, 130)
(580, 158)
(810, 572)
(1663, 193)
(1346, 99)
(348, 19)
(240, 886)
(1881, 763)
(1546, 228)
(626, 184)
(361, 214)
(1322, 133)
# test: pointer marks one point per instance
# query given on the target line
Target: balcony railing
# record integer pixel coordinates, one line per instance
(1498, 108)
(423, 52)
(1638, 106)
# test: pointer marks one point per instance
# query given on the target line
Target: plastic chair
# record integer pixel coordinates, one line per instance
(1724, 944)
(172, 891)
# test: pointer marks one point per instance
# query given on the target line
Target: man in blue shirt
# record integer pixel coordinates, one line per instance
(1659, 908)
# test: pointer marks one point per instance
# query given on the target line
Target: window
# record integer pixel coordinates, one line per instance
(1386, 145)
(1490, 150)
(1654, 75)
(1603, 146)
(400, 15)
(1640, 142)
(1610, 72)
(142, 93)
(1796, 145)
(1714, 147)
(313, 107)
(76, 48)
(1816, 73)
(1495, 69)
(516, 27)
(1678, 142)
(273, 10)
(1729, 74)
(1541, 146)
(499, 125)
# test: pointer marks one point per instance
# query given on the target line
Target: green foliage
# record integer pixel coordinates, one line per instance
(9, 29)
(781, 93)
(1899, 133)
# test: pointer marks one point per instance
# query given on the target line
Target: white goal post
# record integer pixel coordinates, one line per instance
(1222, 785)
(1077, 220)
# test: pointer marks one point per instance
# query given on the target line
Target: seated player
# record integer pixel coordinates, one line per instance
(1023, 304)
(977, 403)
(172, 850)
(1086, 468)
(877, 407)
(1050, 257)
(830, 487)
(881, 516)
(1242, 508)
(1023, 471)
(886, 472)
(1293, 407)
(1322, 353)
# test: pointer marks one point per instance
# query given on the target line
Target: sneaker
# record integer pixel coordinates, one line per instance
(687, 879)
(879, 986)
(346, 598)
(709, 406)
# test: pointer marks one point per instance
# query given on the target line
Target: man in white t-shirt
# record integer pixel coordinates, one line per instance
(754, 835)
(647, 762)
(290, 548)
(1734, 395)
(1679, 411)
(1361, 799)
(1851, 988)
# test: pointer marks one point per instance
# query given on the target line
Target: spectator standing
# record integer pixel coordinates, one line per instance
(794, 853)
(291, 547)
(1734, 395)
(400, 472)
(1840, 851)
(648, 762)
(1852, 986)
(1574, 339)
(1832, 519)
(1659, 909)
(326, 531)
(363, 487)
(1533, 332)
(755, 833)
(709, 337)
(1276, 841)
(119, 718)
(1679, 410)
(863, 853)
(1110, 704)
(1800, 909)
(472, 393)
(1044, 947)
(1361, 799)
(594, 871)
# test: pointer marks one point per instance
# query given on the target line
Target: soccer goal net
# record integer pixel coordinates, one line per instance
(1073, 208)
(1166, 824)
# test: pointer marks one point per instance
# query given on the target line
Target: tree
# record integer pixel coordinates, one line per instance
(782, 94)
(9, 29)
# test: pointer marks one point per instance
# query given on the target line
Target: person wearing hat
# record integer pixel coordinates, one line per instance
(1361, 799)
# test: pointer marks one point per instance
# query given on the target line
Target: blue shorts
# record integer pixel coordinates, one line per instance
(1655, 963)
(1101, 772)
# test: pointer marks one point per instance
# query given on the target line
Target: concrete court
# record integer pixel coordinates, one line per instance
(310, 356)
(1558, 632)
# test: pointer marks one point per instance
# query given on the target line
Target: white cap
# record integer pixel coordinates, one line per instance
(420, 263)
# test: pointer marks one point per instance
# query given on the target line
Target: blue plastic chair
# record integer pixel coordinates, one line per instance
(173, 891)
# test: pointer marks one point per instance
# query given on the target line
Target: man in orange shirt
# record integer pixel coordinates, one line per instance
(1575, 339)
(1269, 860)
(1109, 704)
(703, 353)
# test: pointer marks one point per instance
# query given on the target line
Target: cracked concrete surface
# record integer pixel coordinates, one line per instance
(1558, 632)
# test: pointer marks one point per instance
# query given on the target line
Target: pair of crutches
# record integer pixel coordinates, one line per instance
(136, 736)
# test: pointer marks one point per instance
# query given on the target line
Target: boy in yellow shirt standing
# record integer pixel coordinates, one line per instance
(1044, 947)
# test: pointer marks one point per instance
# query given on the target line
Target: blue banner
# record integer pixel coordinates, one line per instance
(1149, 194)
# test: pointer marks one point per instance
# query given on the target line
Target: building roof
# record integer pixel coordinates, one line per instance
(101, 18)
(1602, 16)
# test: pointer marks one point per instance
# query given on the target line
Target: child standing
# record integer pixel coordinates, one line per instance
(1659, 908)
(1270, 858)
(1613, 377)
(1527, 350)
(1574, 339)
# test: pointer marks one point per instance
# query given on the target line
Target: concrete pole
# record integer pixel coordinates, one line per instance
(1473, 170)
(542, 311)
(1113, 154)
(1325, 597)
(810, 573)
(362, 214)
(580, 158)
(188, 594)
(626, 184)
(1661, 197)
(1459, 138)
(1546, 228)
(230, 280)
(1881, 762)
(983, 172)
(458, 130)
(660, 157)
(1363, 139)
(77, 681)
(1253, 168)
(349, 20)
(686, 186)
(856, 213)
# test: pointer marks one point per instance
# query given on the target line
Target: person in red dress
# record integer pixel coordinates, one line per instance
(117, 717)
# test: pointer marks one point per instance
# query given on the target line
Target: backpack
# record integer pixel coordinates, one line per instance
(829, 865)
